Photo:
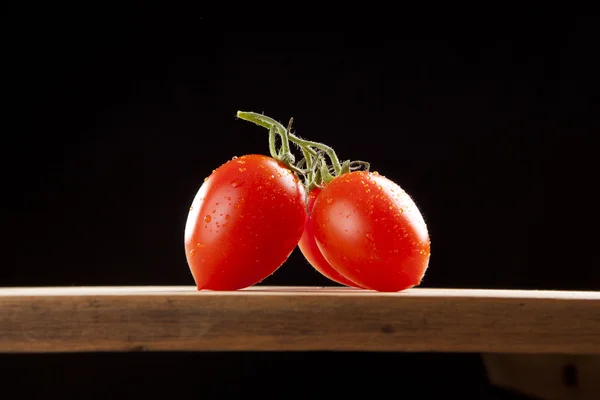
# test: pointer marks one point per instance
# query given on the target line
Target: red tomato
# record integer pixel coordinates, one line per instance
(244, 223)
(371, 232)
(310, 250)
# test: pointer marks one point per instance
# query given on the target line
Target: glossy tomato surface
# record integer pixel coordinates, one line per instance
(244, 222)
(312, 253)
(370, 230)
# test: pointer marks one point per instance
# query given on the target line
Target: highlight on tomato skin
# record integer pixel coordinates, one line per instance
(371, 231)
(244, 222)
(311, 252)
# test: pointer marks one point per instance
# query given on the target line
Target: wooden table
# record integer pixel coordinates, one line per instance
(493, 322)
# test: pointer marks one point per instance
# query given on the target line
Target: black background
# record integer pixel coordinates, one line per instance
(117, 122)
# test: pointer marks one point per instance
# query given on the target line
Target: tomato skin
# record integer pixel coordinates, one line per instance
(371, 231)
(244, 222)
(309, 248)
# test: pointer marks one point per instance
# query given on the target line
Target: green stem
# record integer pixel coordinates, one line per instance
(356, 165)
(301, 163)
(335, 162)
(317, 181)
(285, 140)
(309, 164)
(313, 167)
(272, 144)
(271, 124)
(324, 170)
(286, 137)
(298, 170)
(345, 167)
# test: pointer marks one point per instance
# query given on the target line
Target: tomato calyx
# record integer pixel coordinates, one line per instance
(313, 166)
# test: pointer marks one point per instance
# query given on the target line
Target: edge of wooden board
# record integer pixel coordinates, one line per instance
(266, 318)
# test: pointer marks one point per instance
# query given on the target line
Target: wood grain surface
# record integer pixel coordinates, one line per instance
(91, 319)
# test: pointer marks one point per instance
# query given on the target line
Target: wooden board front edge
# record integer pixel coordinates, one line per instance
(262, 318)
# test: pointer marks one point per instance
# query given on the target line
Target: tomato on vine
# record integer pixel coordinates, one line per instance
(355, 227)
(245, 221)
(371, 231)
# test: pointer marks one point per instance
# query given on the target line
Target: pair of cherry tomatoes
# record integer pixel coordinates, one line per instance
(357, 228)
(360, 230)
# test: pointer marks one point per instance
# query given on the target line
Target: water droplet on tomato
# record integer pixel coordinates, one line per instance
(205, 179)
(272, 177)
(279, 175)
(378, 187)
(329, 201)
(391, 207)
(199, 244)
(375, 173)
(207, 218)
(236, 183)
(227, 216)
(241, 169)
(191, 208)
(234, 157)
(213, 211)
(192, 252)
